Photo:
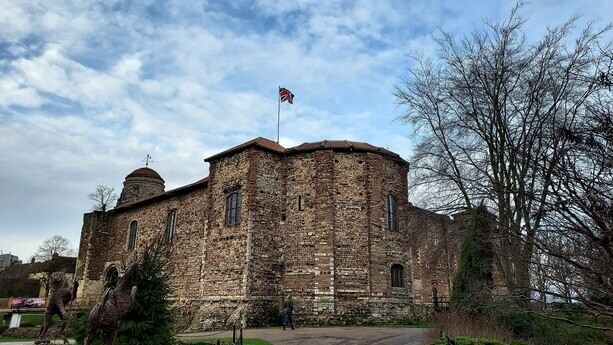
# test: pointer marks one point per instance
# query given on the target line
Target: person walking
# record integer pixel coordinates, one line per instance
(288, 309)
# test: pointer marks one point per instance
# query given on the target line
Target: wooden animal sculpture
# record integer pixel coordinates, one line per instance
(115, 304)
(60, 295)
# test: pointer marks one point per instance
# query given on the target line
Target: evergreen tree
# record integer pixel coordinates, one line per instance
(150, 320)
(473, 283)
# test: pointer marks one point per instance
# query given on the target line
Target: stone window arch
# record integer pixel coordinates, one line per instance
(111, 277)
(132, 235)
(391, 210)
(397, 275)
(171, 226)
(233, 208)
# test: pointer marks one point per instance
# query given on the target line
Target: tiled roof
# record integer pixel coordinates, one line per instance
(145, 172)
(57, 263)
(162, 196)
(343, 145)
(414, 210)
(337, 145)
(15, 271)
(269, 145)
(260, 142)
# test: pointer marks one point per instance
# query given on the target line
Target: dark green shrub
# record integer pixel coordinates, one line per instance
(544, 331)
(469, 341)
(478, 341)
(150, 320)
(77, 327)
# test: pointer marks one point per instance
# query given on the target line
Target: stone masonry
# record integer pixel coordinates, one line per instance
(314, 223)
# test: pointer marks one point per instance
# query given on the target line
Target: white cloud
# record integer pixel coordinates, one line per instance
(53, 72)
(13, 93)
(87, 89)
(128, 68)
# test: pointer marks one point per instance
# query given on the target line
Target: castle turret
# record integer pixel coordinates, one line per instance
(140, 184)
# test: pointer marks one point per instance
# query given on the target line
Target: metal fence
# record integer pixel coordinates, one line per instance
(441, 302)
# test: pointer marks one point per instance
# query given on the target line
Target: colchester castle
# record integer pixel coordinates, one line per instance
(328, 222)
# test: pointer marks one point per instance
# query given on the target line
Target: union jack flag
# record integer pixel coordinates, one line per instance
(286, 95)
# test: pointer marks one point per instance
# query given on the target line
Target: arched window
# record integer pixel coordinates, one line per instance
(233, 208)
(132, 235)
(392, 213)
(112, 275)
(171, 225)
(397, 275)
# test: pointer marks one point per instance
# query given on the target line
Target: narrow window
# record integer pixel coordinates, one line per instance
(171, 225)
(300, 203)
(233, 208)
(132, 236)
(397, 275)
(392, 217)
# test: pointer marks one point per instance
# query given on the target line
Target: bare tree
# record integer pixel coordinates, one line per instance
(54, 245)
(103, 197)
(579, 216)
(489, 114)
(48, 257)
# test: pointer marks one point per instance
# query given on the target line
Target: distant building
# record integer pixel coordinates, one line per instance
(29, 280)
(6, 260)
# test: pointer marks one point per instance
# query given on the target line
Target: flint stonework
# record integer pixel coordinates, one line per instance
(313, 223)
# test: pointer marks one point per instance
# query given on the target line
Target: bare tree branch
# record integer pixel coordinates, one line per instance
(526, 130)
(103, 197)
(54, 245)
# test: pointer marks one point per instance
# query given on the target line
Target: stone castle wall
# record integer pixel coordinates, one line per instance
(337, 251)
(333, 253)
(139, 187)
(241, 269)
(104, 242)
(435, 249)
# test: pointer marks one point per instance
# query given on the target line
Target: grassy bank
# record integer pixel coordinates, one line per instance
(13, 339)
(517, 328)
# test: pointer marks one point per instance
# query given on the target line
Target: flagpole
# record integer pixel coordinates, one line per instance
(278, 111)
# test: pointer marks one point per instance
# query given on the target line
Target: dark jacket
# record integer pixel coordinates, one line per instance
(288, 305)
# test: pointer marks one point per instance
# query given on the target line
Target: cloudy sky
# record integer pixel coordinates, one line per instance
(89, 88)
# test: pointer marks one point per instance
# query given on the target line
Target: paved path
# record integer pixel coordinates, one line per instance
(312, 336)
(326, 336)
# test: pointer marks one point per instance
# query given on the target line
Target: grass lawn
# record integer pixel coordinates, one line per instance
(418, 324)
(223, 340)
(36, 319)
(13, 339)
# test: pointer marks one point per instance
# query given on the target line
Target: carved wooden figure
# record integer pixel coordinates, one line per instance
(115, 304)
(60, 295)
